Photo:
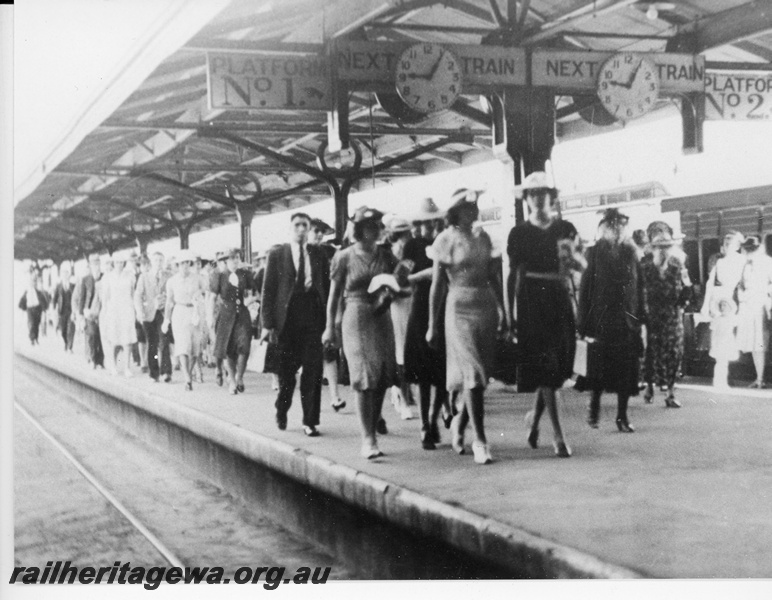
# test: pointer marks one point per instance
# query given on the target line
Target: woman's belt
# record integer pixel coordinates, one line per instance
(545, 275)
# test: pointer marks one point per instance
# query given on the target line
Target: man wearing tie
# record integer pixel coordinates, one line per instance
(87, 316)
(149, 303)
(295, 288)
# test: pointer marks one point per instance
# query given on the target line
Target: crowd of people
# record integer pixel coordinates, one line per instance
(416, 300)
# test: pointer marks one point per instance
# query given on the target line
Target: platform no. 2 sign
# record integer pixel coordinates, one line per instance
(268, 81)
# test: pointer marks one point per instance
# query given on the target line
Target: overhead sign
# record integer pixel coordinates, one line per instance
(268, 81)
(481, 66)
(738, 95)
(571, 71)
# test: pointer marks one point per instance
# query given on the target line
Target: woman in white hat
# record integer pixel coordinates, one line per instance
(464, 258)
(540, 251)
(119, 310)
(667, 288)
(184, 294)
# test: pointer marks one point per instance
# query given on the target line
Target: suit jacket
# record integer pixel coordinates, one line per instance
(146, 294)
(63, 298)
(85, 294)
(279, 282)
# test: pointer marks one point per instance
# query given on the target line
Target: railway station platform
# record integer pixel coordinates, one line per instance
(688, 495)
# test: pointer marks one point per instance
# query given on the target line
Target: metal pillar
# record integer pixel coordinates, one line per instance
(246, 213)
(141, 245)
(184, 233)
(524, 131)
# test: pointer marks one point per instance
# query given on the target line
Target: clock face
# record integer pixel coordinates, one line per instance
(628, 85)
(428, 78)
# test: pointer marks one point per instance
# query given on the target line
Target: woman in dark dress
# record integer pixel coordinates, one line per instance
(611, 310)
(425, 365)
(541, 256)
(667, 289)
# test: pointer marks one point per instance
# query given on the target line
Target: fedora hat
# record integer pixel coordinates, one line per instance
(751, 243)
(427, 211)
(612, 216)
(321, 225)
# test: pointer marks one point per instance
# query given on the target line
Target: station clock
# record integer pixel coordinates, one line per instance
(628, 85)
(428, 77)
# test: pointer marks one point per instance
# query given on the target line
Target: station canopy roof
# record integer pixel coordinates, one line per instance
(164, 161)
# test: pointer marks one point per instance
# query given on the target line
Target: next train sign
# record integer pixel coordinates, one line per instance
(738, 95)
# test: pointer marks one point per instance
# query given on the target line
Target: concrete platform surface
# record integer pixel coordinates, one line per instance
(688, 495)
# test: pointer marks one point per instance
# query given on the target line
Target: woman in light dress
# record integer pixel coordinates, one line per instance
(473, 309)
(368, 335)
(754, 313)
(184, 309)
(118, 311)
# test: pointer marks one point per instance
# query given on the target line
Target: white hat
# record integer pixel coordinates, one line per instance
(395, 224)
(537, 181)
(428, 211)
(185, 256)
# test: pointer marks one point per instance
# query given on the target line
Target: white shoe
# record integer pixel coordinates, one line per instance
(370, 451)
(482, 454)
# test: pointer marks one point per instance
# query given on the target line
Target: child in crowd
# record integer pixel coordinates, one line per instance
(723, 343)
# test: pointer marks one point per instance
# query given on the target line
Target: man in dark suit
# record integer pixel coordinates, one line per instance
(62, 302)
(233, 327)
(88, 319)
(295, 289)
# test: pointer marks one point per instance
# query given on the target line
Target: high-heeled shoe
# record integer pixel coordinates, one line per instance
(456, 436)
(533, 432)
(482, 454)
(562, 449)
(427, 443)
(189, 386)
(671, 402)
(338, 404)
(624, 426)
(447, 418)
(370, 451)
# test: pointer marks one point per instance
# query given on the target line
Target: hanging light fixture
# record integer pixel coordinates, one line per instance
(652, 13)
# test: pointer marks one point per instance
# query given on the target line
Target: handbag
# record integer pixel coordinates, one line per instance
(505, 361)
(587, 359)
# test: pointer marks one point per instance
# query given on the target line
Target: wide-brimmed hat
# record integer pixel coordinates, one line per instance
(395, 224)
(427, 211)
(233, 253)
(715, 305)
(363, 213)
(321, 225)
(612, 216)
(663, 239)
(462, 198)
(537, 181)
(185, 256)
(751, 243)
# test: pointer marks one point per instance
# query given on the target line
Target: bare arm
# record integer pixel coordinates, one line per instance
(333, 301)
(425, 275)
(435, 299)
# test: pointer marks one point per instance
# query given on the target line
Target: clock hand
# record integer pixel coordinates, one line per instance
(630, 81)
(436, 65)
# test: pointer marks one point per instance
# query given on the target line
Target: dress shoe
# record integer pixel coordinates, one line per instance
(310, 431)
(757, 385)
(281, 421)
(338, 404)
(562, 450)
(370, 451)
(482, 454)
(624, 426)
(434, 433)
(218, 379)
(189, 386)
(456, 435)
(240, 388)
(671, 402)
(427, 443)
(380, 426)
(533, 438)
(592, 421)
(167, 378)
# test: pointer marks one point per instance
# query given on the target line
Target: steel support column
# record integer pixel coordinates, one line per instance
(246, 213)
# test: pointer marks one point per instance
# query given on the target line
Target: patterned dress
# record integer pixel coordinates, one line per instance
(368, 339)
(665, 326)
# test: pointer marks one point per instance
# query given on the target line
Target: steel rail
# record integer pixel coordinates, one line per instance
(157, 544)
